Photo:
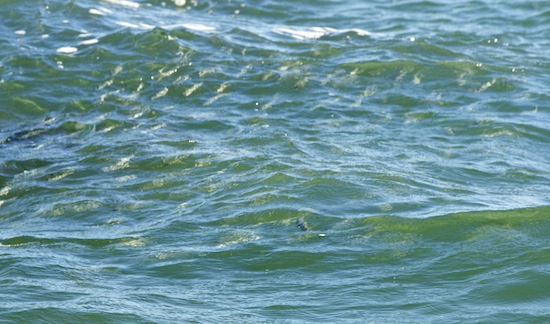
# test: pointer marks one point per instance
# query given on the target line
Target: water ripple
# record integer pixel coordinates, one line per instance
(163, 161)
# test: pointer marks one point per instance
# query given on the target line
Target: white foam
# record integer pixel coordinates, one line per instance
(96, 12)
(67, 50)
(299, 34)
(136, 26)
(4, 191)
(315, 32)
(196, 27)
(126, 24)
(124, 3)
(146, 26)
(89, 41)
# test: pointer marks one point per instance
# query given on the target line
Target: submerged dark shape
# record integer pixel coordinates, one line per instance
(27, 135)
(301, 225)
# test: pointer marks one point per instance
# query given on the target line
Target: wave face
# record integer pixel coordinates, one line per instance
(223, 161)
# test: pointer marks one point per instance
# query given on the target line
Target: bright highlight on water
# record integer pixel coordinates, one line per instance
(265, 162)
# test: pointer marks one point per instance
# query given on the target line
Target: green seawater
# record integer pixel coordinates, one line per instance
(274, 162)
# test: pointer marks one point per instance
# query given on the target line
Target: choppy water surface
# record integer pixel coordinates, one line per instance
(274, 161)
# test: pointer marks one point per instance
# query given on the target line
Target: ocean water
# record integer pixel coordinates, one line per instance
(274, 161)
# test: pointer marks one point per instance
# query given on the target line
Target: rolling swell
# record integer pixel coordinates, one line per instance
(166, 161)
(388, 258)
